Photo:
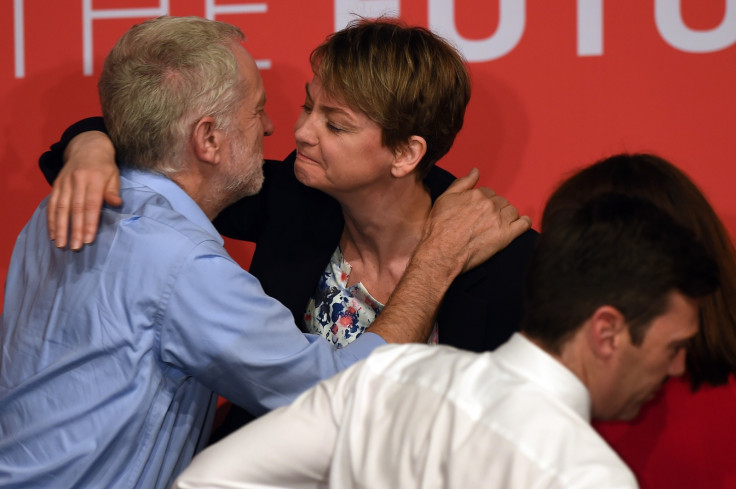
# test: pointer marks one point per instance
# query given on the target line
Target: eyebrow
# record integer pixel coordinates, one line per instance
(683, 343)
(328, 109)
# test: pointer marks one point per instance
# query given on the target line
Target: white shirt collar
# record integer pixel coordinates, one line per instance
(533, 363)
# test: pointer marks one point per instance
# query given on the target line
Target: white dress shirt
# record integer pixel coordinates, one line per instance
(425, 416)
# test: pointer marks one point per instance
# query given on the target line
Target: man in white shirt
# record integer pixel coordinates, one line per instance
(612, 301)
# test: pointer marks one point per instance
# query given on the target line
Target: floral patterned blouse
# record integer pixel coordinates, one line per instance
(340, 313)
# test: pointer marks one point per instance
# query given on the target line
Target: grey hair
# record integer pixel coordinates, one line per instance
(160, 79)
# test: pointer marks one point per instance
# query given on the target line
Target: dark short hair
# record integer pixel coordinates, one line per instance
(408, 80)
(710, 357)
(612, 250)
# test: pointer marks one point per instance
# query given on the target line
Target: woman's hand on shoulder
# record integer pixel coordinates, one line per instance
(88, 177)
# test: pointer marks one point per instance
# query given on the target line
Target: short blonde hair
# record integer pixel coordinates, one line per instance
(408, 80)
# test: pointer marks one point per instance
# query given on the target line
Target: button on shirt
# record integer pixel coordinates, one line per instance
(415, 416)
(110, 356)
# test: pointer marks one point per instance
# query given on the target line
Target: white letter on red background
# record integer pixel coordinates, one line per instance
(590, 27)
(673, 30)
(19, 33)
(345, 10)
(212, 9)
(511, 20)
(88, 15)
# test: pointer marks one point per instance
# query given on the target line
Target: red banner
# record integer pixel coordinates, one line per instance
(556, 85)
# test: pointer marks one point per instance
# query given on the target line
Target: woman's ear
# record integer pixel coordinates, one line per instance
(207, 141)
(408, 156)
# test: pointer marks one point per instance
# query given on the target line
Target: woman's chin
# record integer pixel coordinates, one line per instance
(304, 174)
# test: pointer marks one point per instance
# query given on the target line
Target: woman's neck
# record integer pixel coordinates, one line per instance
(381, 233)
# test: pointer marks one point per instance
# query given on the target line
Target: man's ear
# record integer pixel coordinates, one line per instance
(607, 332)
(207, 141)
(408, 156)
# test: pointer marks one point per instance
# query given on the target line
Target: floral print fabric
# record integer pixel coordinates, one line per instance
(340, 313)
(337, 312)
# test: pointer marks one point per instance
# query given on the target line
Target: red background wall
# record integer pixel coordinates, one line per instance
(540, 107)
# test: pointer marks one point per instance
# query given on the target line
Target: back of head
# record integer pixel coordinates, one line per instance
(406, 79)
(611, 250)
(161, 77)
(710, 358)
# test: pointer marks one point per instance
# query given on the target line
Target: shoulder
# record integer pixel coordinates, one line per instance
(421, 364)
(504, 269)
(437, 181)
(516, 255)
(151, 224)
(552, 439)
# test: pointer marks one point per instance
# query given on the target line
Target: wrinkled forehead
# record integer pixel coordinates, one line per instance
(333, 98)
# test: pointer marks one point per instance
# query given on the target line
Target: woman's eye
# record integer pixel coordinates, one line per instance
(307, 108)
(333, 128)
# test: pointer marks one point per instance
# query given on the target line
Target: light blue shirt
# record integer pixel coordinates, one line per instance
(110, 356)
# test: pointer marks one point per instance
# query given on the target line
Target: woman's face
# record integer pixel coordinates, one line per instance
(339, 149)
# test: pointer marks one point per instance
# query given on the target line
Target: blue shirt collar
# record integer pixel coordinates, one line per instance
(180, 201)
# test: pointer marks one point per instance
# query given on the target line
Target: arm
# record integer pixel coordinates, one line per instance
(80, 187)
(466, 227)
(289, 447)
(222, 329)
(52, 160)
(82, 169)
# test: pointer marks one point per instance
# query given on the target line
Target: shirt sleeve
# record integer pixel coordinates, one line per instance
(222, 329)
(291, 447)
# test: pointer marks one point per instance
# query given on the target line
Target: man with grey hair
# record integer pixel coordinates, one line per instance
(112, 357)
